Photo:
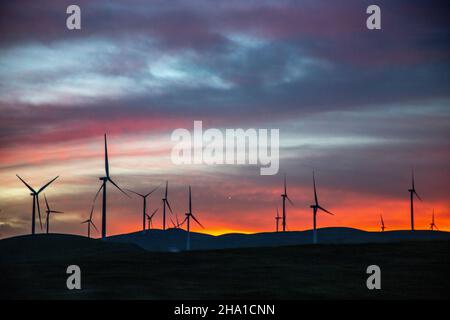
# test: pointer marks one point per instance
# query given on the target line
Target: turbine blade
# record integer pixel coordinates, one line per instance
(96, 195)
(174, 225)
(106, 158)
(290, 201)
(417, 195)
(110, 180)
(92, 211)
(167, 187)
(315, 191)
(28, 186)
(85, 221)
(190, 200)
(323, 209)
(183, 222)
(46, 203)
(93, 225)
(136, 193)
(39, 209)
(285, 188)
(48, 183)
(193, 217)
(153, 190)
(54, 211)
(168, 206)
(154, 212)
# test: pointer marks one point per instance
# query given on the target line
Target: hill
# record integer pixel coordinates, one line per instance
(34, 267)
(173, 240)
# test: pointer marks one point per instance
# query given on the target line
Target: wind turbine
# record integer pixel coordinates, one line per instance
(49, 211)
(316, 208)
(413, 192)
(165, 203)
(103, 186)
(277, 219)
(190, 215)
(382, 223)
(90, 222)
(35, 195)
(149, 219)
(284, 196)
(144, 209)
(432, 224)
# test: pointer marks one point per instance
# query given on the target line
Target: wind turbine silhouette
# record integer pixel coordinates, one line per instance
(49, 211)
(382, 223)
(103, 186)
(432, 224)
(149, 219)
(277, 219)
(284, 196)
(413, 192)
(144, 198)
(190, 215)
(165, 203)
(35, 195)
(90, 222)
(316, 208)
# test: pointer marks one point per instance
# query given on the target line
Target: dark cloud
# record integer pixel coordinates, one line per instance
(360, 107)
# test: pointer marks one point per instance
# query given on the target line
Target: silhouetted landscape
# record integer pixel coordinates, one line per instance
(174, 240)
(35, 267)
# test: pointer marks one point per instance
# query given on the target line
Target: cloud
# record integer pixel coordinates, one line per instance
(359, 107)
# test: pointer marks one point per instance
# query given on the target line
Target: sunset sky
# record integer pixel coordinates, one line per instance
(361, 108)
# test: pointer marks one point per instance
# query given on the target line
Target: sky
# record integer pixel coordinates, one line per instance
(361, 108)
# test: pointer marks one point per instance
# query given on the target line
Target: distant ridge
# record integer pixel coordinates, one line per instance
(174, 240)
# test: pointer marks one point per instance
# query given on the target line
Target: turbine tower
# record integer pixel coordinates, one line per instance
(412, 192)
(284, 196)
(316, 207)
(90, 222)
(35, 195)
(49, 211)
(165, 202)
(382, 223)
(190, 215)
(149, 219)
(104, 180)
(144, 209)
(432, 224)
(277, 219)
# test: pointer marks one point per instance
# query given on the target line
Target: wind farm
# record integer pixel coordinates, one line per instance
(242, 150)
(148, 216)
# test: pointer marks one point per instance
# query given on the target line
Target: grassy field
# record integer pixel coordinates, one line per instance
(34, 267)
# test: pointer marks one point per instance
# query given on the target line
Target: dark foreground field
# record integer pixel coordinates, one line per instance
(34, 267)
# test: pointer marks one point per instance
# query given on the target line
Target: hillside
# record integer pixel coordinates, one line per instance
(34, 267)
(173, 240)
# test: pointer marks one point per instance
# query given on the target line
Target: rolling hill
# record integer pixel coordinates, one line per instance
(173, 240)
(34, 267)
